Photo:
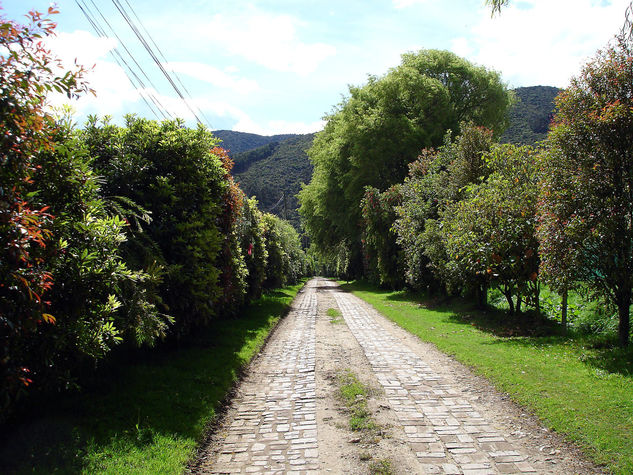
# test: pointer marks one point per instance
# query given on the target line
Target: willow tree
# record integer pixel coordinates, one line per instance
(380, 128)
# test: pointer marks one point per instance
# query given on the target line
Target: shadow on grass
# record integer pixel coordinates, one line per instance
(170, 394)
(527, 329)
(494, 321)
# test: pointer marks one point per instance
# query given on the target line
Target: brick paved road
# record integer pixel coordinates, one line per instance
(275, 430)
(447, 434)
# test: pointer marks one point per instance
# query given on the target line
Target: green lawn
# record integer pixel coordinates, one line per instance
(150, 416)
(573, 384)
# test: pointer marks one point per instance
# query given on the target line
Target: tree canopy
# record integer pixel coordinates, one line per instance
(380, 128)
(586, 207)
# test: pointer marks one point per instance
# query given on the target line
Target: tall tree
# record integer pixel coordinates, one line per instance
(380, 128)
(383, 257)
(586, 209)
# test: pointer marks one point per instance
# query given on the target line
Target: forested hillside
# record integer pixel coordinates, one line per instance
(274, 173)
(237, 142)
(530, 115)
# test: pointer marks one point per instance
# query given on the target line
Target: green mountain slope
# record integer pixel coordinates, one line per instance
(274, 173)
(531, 115)
(237, 142)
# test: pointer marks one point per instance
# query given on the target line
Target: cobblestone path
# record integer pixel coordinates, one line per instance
(447, 434)
(274, 430)
(271, 426)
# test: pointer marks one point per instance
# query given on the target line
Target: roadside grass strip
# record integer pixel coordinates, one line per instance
(354, 395)
(150, 416)
(575, 384)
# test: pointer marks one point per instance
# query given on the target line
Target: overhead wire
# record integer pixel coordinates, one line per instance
(277, 204)
(163, 110)
(158, 110)
(152, 54)
(160, 52)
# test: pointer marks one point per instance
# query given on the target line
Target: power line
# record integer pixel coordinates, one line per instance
(152, 54)
(117, 57)
(283, 195)
(136, 81)
(163, 110)
(165, 60)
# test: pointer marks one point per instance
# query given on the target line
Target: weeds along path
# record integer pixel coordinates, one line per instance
(420, 411)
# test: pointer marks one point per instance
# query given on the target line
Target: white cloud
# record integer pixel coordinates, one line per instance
(267, 39)
(110, 83)
(461, 47)
(274, 127)
(115, 95)
(221, 79)
(542, 41)
(243, 122)
(80, 45)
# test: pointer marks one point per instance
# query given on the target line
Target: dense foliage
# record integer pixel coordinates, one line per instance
(27, 242)
(473, 215)
(286, 261)
(437, 179)
(587, 201)
(380, 128)
(383, 257)
(171, 172)
(490, 235)
(113, 235)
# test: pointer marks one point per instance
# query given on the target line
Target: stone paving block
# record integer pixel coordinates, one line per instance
(262, 434)
(275, 429)
(507, 468)
(464, 441)
(431, 468)
(451, 469)
(525, 467)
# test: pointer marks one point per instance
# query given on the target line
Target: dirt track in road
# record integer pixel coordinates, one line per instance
(432, 414)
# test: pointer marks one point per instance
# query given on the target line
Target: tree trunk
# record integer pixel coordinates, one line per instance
(482, 295)
(537, 297)
(563, 308)
(518, 308)
(508, 295)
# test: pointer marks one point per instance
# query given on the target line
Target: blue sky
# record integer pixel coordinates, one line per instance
(279, 66)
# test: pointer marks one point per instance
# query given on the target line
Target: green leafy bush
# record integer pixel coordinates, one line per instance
(286, 260)
(171, 172)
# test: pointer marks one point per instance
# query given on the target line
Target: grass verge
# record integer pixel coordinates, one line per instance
(576, 387)
(147, 417)
(354, 395)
